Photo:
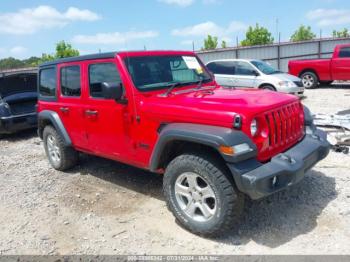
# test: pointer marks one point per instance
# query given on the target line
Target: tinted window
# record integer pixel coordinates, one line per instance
(265, 67)
(47, 85)
(344, 52)
(70, 81)
(243, 68)
(99, 73)
(223, 68)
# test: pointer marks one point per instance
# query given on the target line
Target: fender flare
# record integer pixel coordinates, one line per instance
(212, 136)
(55, 120)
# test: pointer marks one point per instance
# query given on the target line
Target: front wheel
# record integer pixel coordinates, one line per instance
(201, 196)
(268, 87)
(309, 80)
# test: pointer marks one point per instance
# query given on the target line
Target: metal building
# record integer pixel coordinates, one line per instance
(278, 54)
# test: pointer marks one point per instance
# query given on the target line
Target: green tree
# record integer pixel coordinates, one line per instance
(31, 61)
(10, 63)
(63, 50)
(303, 33)
(257, 35)
(342, 33)
(211, 42)
(223, 44)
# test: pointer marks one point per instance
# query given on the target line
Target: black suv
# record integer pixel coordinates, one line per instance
(18, 98)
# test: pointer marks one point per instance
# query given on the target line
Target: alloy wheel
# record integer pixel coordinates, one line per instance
(195, 197)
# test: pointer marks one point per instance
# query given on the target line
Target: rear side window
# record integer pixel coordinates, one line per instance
(70, 81)
(344, 52)
(222, 68)
(99, 73)
(47, 82)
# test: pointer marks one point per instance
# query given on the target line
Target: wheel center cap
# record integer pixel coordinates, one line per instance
(196, 196)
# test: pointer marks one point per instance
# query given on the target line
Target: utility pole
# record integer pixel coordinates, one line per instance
(277, 33)
(193, 46)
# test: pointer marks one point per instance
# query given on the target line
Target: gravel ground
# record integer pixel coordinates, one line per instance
(104, 207)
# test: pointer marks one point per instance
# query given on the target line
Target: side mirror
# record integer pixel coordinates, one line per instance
(255, 73)
(112, 90)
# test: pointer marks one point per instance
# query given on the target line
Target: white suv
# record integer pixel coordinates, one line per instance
(254, 74)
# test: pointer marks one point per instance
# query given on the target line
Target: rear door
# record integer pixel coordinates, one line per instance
(341, 65)
(71, 104)
(244, 74)
(224, 72)
(107, 121)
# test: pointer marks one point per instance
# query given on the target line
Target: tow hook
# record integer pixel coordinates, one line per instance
(287, 158)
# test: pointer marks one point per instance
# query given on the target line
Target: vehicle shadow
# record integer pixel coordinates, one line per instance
(129, 177)
(335, 86)
(23, 135)
(279, 218)
(272, 221)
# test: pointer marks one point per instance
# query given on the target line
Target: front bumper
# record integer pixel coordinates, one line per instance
(284, 170)
(15, 123)
(296, 90)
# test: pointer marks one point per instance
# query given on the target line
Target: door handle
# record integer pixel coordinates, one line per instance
(91, 112)
(64, 109)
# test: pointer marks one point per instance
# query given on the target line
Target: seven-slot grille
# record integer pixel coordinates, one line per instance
(286, 126)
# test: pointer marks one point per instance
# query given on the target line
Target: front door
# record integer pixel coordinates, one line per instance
(107, 121)
(341, 65)
(244, 75)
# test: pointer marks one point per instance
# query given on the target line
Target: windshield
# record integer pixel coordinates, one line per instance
(158, 72)
(265, 67)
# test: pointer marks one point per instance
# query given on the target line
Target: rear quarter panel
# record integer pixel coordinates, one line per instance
(320, 66)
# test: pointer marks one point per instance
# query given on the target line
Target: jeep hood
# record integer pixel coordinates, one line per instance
(217, 106)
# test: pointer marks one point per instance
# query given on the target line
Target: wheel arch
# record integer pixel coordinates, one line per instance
(48, 117)
(308, 70)
(175, 139)
(267, 84)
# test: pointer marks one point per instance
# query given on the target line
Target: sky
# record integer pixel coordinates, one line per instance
(32, 27)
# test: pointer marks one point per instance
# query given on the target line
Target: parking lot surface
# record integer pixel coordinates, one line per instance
(104, 207)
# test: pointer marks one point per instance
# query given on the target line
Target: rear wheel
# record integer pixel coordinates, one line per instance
(61, 157)
(201, 196)
(309, 80)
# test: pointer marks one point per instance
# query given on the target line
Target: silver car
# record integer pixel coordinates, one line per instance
(245, 73)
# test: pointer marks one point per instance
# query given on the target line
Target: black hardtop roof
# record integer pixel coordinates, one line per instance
(79, 58)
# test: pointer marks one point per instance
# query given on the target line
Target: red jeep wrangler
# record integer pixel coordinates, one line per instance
(163, 111)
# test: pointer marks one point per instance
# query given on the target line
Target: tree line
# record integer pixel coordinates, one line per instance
(62, 50)
(259, 35)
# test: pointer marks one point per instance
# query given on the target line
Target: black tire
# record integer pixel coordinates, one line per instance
(268, 87)
(68, 156)
(325, 83)
(230, 202)
(309, 80)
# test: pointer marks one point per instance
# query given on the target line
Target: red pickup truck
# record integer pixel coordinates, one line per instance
(314, 72)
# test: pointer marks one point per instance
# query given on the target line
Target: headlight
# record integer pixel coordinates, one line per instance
(286, 84)
(254, 127)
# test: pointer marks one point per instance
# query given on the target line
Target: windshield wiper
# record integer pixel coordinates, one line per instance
(171, 87)
(275, 72)
(200, 82)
